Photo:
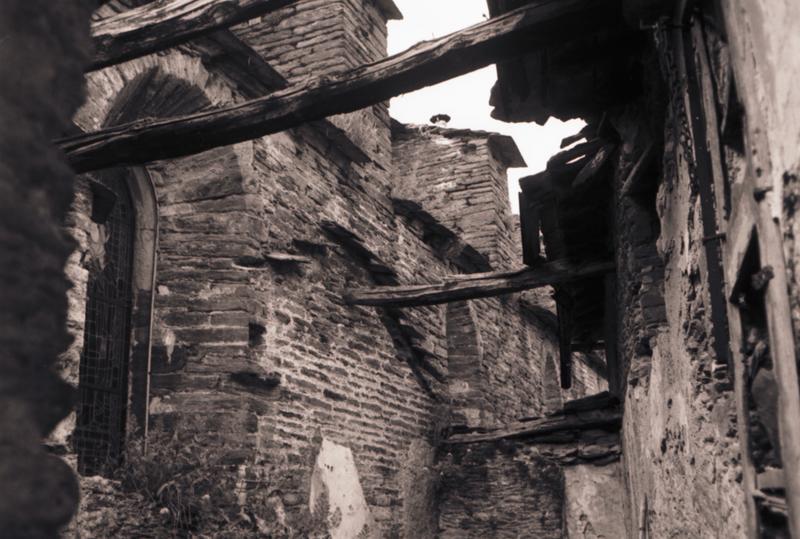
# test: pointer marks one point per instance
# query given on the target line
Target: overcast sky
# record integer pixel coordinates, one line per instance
(466, 99)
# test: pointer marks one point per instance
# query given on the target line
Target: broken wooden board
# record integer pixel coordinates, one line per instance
(477, 285)
(422, 65)
(560, 428)
(162, 24)
(224, 52)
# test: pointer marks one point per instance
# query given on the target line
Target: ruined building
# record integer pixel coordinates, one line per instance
(256, 306)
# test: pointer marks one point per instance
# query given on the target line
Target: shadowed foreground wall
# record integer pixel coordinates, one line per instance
(42, 53)
(683, 457)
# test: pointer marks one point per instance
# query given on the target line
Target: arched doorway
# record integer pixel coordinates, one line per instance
(104, 365)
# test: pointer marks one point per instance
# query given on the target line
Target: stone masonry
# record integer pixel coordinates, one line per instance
(252, 353)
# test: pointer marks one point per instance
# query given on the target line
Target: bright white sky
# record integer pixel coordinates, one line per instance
(466, 99)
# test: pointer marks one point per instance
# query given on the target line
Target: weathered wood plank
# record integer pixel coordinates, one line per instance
(562, 428)
(585, 431)
(610, 333)
(632, 183)
(585, 149)
(224, 52)
(422, 65)
(741, 225)
(566, 315)
(162, 24)
(529, 220)
(596, 447)
(476, 285)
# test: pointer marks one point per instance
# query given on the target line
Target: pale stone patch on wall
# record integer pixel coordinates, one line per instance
(335, 476)
(593, 506)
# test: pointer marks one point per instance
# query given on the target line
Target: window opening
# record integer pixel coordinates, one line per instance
(103, 375)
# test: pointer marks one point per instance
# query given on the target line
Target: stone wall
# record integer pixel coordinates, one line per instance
(500, 490)
(322, 37)
(511, 488)
(683, 462)
(42, 56)
(681, 452)
(459, 176)
(592, 509)
(764, 52)
(255, 359)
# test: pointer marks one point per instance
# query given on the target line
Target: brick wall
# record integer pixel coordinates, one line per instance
(229, 323)
(258, 359)
(499, 490)
(460, 177)
(323, 38)
(501, 353)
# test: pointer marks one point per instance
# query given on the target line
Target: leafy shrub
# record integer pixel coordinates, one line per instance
(192, 492)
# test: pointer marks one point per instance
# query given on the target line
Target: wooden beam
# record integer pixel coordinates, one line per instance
(610, 332)
(427, 63)
(223, 52)
(162, 24)
(585, 431)
(585, 149)
(592, 446)
(476, 285)
(565, 312)
(529, 221)
(633, 181)
(563, 428)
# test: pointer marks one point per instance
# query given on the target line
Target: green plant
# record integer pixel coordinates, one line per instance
(185, 483)
(192, 491)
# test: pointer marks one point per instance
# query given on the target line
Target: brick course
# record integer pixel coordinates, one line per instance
(261, 359)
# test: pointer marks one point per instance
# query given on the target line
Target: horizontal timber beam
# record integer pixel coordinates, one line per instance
(559, 428)
(477, 285)
(529, 27)
(586, 431)
(161, 24)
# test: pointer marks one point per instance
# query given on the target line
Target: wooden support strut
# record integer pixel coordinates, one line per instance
(427, 63)
(585, 431)
(704, 124)
(161, 24)
(557, 428)
(476, 285)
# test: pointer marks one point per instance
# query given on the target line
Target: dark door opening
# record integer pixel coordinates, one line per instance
(103, 375)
